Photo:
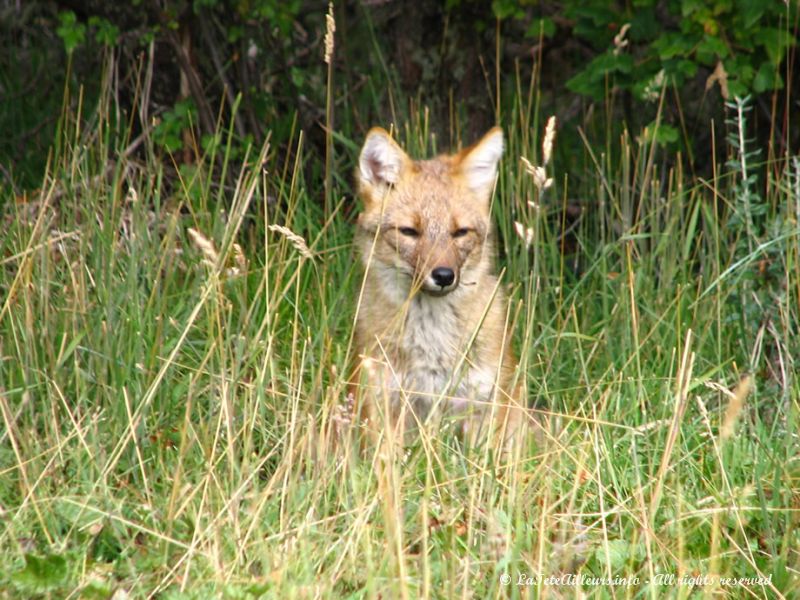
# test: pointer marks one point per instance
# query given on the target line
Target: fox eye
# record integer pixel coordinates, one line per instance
(408, 231)
(461, 232)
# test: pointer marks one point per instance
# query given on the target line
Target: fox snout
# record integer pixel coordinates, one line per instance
(438, 266)
(440, 281)
(443, 276)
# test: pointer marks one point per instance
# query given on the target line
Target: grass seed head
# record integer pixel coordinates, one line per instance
(540, 178)
(330, 29)
(206, 247)
(525, 233)
(735, 407)
(619, 40)
(296, 240)
(549, 140)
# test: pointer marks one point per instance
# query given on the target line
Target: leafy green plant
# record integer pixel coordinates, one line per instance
(745, 43)
(761, 237)
(105, 32)
(71, 31)
(41, 573)
(169, 131)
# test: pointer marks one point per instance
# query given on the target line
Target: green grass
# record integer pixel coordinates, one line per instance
(165, 410)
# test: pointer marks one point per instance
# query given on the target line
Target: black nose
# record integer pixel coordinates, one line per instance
(442, 276)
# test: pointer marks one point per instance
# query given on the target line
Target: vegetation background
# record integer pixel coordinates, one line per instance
(177, 291)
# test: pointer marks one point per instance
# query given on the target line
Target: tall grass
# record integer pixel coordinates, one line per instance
(168, 397)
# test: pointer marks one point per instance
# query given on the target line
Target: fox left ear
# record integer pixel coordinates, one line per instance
(478, 163)
(381, 161)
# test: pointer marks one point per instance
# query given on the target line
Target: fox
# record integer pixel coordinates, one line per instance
(431, 326)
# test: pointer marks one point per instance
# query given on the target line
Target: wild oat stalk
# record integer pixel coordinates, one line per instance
(539, 176)
(330, 30)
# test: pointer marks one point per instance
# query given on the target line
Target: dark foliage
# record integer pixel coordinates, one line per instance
(181, 65)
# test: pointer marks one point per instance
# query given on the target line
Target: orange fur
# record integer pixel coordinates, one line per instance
(431, 326)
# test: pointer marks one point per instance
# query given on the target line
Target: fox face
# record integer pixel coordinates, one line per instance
(425, 224)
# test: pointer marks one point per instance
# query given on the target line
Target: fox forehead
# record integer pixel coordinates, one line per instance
(431, 185)
(430, 191)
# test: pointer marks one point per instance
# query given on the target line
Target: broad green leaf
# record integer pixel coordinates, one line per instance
(775, 41)
(710, 50)
(671, 45)
(42, 572)
(767, 78)
(545, 27)
(615, 553)
(72, 32)
(750, 11)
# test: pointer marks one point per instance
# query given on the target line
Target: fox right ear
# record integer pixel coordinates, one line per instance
(381, 160)
(478, 163)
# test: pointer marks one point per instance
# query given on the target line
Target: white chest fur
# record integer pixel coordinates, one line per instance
(438, 368)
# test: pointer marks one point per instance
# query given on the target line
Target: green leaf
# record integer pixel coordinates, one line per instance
(685, 67)
(504, 9)
(750, 11)
(775, 41)
(689, 7)
(645, 25)
(671, 45)
(711, 49)
(70, 349)
(44, 573)
(737, 88)
(235, 33)
(96, 590)
(105, 32)
(70, 30)
(105, 546)
(767, 78)
(666, 134)
(591, 81)
(298, 76)
(740, 76)
(544, 27)
(662, 135)
(210, 142)
(586, 84)
(616, 554)
(594, 23)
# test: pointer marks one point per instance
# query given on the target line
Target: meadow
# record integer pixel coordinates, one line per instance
(175, 342)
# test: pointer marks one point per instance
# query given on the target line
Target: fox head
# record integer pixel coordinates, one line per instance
(426, 222)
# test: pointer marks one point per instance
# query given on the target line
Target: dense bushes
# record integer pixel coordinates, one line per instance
(444, 55)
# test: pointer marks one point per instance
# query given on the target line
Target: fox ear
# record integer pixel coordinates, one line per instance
(478, 163)
(381, 160)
